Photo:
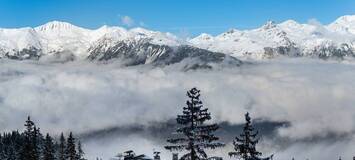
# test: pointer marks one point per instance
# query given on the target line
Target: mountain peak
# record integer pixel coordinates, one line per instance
(231, 31)
(344, 24)
(56, 25)
(269, 25)
(142, 31)
(346, 18)
(204, 36)
(290, 23)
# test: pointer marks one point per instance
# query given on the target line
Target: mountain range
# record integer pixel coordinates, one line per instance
(63, 41)
(289, 38)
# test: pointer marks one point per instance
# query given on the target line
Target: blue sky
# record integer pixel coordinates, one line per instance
(189, 17)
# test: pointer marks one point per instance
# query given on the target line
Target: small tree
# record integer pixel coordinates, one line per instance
(80, 152)
(244, 145)
(28, 151)
(194, 135)
(71, 150)
(61, 149)
(36, 142)
(48, 151)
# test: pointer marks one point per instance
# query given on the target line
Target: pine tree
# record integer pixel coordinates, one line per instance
(61, 148)
(81, 153)
(48, 151)
(10, 150)
(36, 142)
(71, 150)
(194, 135)
(17, 142)
(28, 149)
(244, 145)
(40, 143)
(2, 155)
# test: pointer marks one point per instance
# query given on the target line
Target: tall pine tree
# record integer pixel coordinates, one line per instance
(2, 146)
(194, 135)
(71, 149)
(48, 151)
(36, 140)
(244, 145)
(28, 151)
(61, 148)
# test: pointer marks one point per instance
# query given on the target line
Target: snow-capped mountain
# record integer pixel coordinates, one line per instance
(288, 38)
(64, 41)
(57, 37)
(344, 24)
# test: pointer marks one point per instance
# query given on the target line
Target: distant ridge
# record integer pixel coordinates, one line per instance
(64, 41)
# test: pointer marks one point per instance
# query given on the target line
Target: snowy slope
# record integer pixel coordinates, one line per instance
(287, 38)
(344, 24)
(243, 42)
(61, 40)
(56, 37)
(15, 42)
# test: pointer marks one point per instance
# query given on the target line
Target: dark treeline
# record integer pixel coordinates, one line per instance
(31, 144)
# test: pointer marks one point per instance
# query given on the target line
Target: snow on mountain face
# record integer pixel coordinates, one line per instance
(157, 37)
(239, 43)
(61, 41)
(144, 52)
(56, 38)
(344, 24)
(22, 42)
(288, 38)
(65, 41)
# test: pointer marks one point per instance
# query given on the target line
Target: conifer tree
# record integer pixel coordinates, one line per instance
(194, 135)
(71, 149)
(80, 152)
(40, 143)
(244, 145)
(28, 149)
(17, 142)
(48, 151)
(2, 155)
(36, 143)
(61, 148)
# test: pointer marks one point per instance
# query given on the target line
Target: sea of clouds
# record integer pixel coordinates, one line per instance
(316, 98)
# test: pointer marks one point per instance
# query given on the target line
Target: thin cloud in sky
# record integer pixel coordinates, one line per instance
(142, 24)
(127, 21)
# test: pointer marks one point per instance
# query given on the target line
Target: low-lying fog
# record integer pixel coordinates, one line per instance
(305, 108)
